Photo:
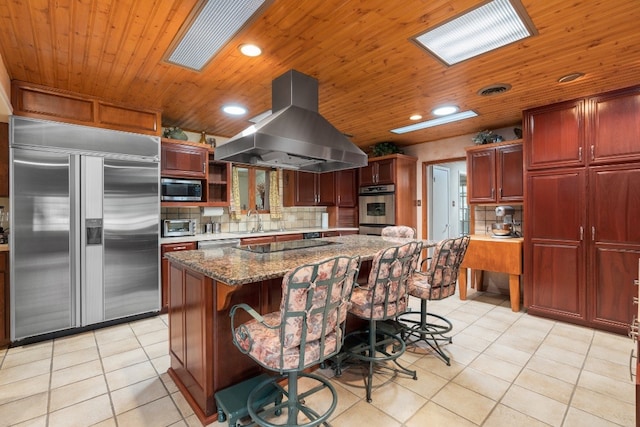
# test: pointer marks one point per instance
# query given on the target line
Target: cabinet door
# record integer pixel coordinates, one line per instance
(386, 171)
(481, 167)
(555, 252)
(305, 189)
(326, 189)
(183, 160)
(257, 240)
(615, 244)
(555, 135)
(368, 174)
(288, 237)
(347, 196)
(164, 263)
(176, 313)
(509, 173)
(615, 130)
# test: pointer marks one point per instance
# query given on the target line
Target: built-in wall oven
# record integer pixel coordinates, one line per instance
(376, 208)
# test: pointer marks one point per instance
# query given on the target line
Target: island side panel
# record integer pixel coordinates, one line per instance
(203, 356)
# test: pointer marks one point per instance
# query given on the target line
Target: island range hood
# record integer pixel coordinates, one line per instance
(295, 136)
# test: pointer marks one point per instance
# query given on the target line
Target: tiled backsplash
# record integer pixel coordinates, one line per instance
(303, 217)
(486, 215)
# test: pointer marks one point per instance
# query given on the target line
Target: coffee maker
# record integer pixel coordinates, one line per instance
(504, 225)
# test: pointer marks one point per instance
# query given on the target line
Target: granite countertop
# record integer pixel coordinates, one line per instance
(489, 238)
(4, 247)
(237, 267)
(242, 234)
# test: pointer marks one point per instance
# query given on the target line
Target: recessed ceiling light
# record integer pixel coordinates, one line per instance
(250, 50)
(415, 117)
(209, 28)
(435, 122)
(570, 77)
(234, 110)
(445, 110)
(482, 29)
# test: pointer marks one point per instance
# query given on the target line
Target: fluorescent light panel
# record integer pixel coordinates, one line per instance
(215, 25)
(480, 30)
(435, 122)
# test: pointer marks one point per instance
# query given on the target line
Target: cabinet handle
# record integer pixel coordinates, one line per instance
(593, 153)
(593, 233)
(580, 153)
(500, 191)
(581, 233)
(204, 167)
(179, 248)
(493, 190)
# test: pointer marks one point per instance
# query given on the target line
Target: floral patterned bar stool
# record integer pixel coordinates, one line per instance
(399, 231)
(384, 296)
(308, 329)
(437, 282)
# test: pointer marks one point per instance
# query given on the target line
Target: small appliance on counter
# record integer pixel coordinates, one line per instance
(178, 227)
(504, 227)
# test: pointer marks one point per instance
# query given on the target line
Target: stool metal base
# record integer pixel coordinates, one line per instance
(373, 346)
(431, 333)
(294, 403)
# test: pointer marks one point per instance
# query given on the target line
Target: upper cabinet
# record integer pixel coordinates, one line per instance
(308, 189)
(614, 127)
(346, 191)
(598, 130)
(42, 102)
(495, 173)
(380, 171)
(183, 160)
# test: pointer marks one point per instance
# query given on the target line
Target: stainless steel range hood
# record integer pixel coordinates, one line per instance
(295, 136)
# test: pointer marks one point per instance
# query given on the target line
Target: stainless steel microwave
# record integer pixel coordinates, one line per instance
(181, 190)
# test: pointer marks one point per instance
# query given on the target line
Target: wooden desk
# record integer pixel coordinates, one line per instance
(491, 254)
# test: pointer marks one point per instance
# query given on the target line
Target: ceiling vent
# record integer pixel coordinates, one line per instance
(494, 89)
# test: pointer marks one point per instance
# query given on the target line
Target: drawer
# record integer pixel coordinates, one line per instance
(173, 247)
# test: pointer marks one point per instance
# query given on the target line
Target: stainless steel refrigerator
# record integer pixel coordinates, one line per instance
(85, 213)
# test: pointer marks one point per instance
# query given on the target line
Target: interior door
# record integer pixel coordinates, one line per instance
(440, 204)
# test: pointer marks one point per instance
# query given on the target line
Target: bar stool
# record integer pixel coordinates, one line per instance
(308, 328)
(403, 231)
(437, 282)
(383, 297)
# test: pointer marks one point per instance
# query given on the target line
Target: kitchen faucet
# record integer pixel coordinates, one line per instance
(255, 211)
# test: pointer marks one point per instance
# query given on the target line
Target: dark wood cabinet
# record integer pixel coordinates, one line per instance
(4, 160)
(183, 160)
(555, 135)
(308, 189)
(495, 173)
(582, 242)
(380, 171)
(346, 189)
(615, 120)
(164, 263)
(554, 261)
(5, 333)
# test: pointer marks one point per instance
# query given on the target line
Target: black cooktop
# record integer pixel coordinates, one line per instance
(285, 246)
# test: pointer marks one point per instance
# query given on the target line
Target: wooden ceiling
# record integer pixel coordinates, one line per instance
(371, 77)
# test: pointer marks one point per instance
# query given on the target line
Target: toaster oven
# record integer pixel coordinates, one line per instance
(178, 227)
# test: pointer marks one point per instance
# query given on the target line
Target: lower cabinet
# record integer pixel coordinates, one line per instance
(170, 247)
(4, 299)
(270, 239)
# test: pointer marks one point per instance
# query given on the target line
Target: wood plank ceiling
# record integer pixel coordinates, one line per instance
(372, 78)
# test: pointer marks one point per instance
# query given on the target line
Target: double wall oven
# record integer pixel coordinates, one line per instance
(376, 208)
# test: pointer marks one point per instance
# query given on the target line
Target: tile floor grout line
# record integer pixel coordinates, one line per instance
(104, 375)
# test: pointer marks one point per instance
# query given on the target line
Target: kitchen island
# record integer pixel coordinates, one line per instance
(205, 284)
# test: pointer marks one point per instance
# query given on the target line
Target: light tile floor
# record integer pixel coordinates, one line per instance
(507, 369)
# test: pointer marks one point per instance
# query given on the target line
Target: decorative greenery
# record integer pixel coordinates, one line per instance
(384, 148)
(175, 133)
(486, 137)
